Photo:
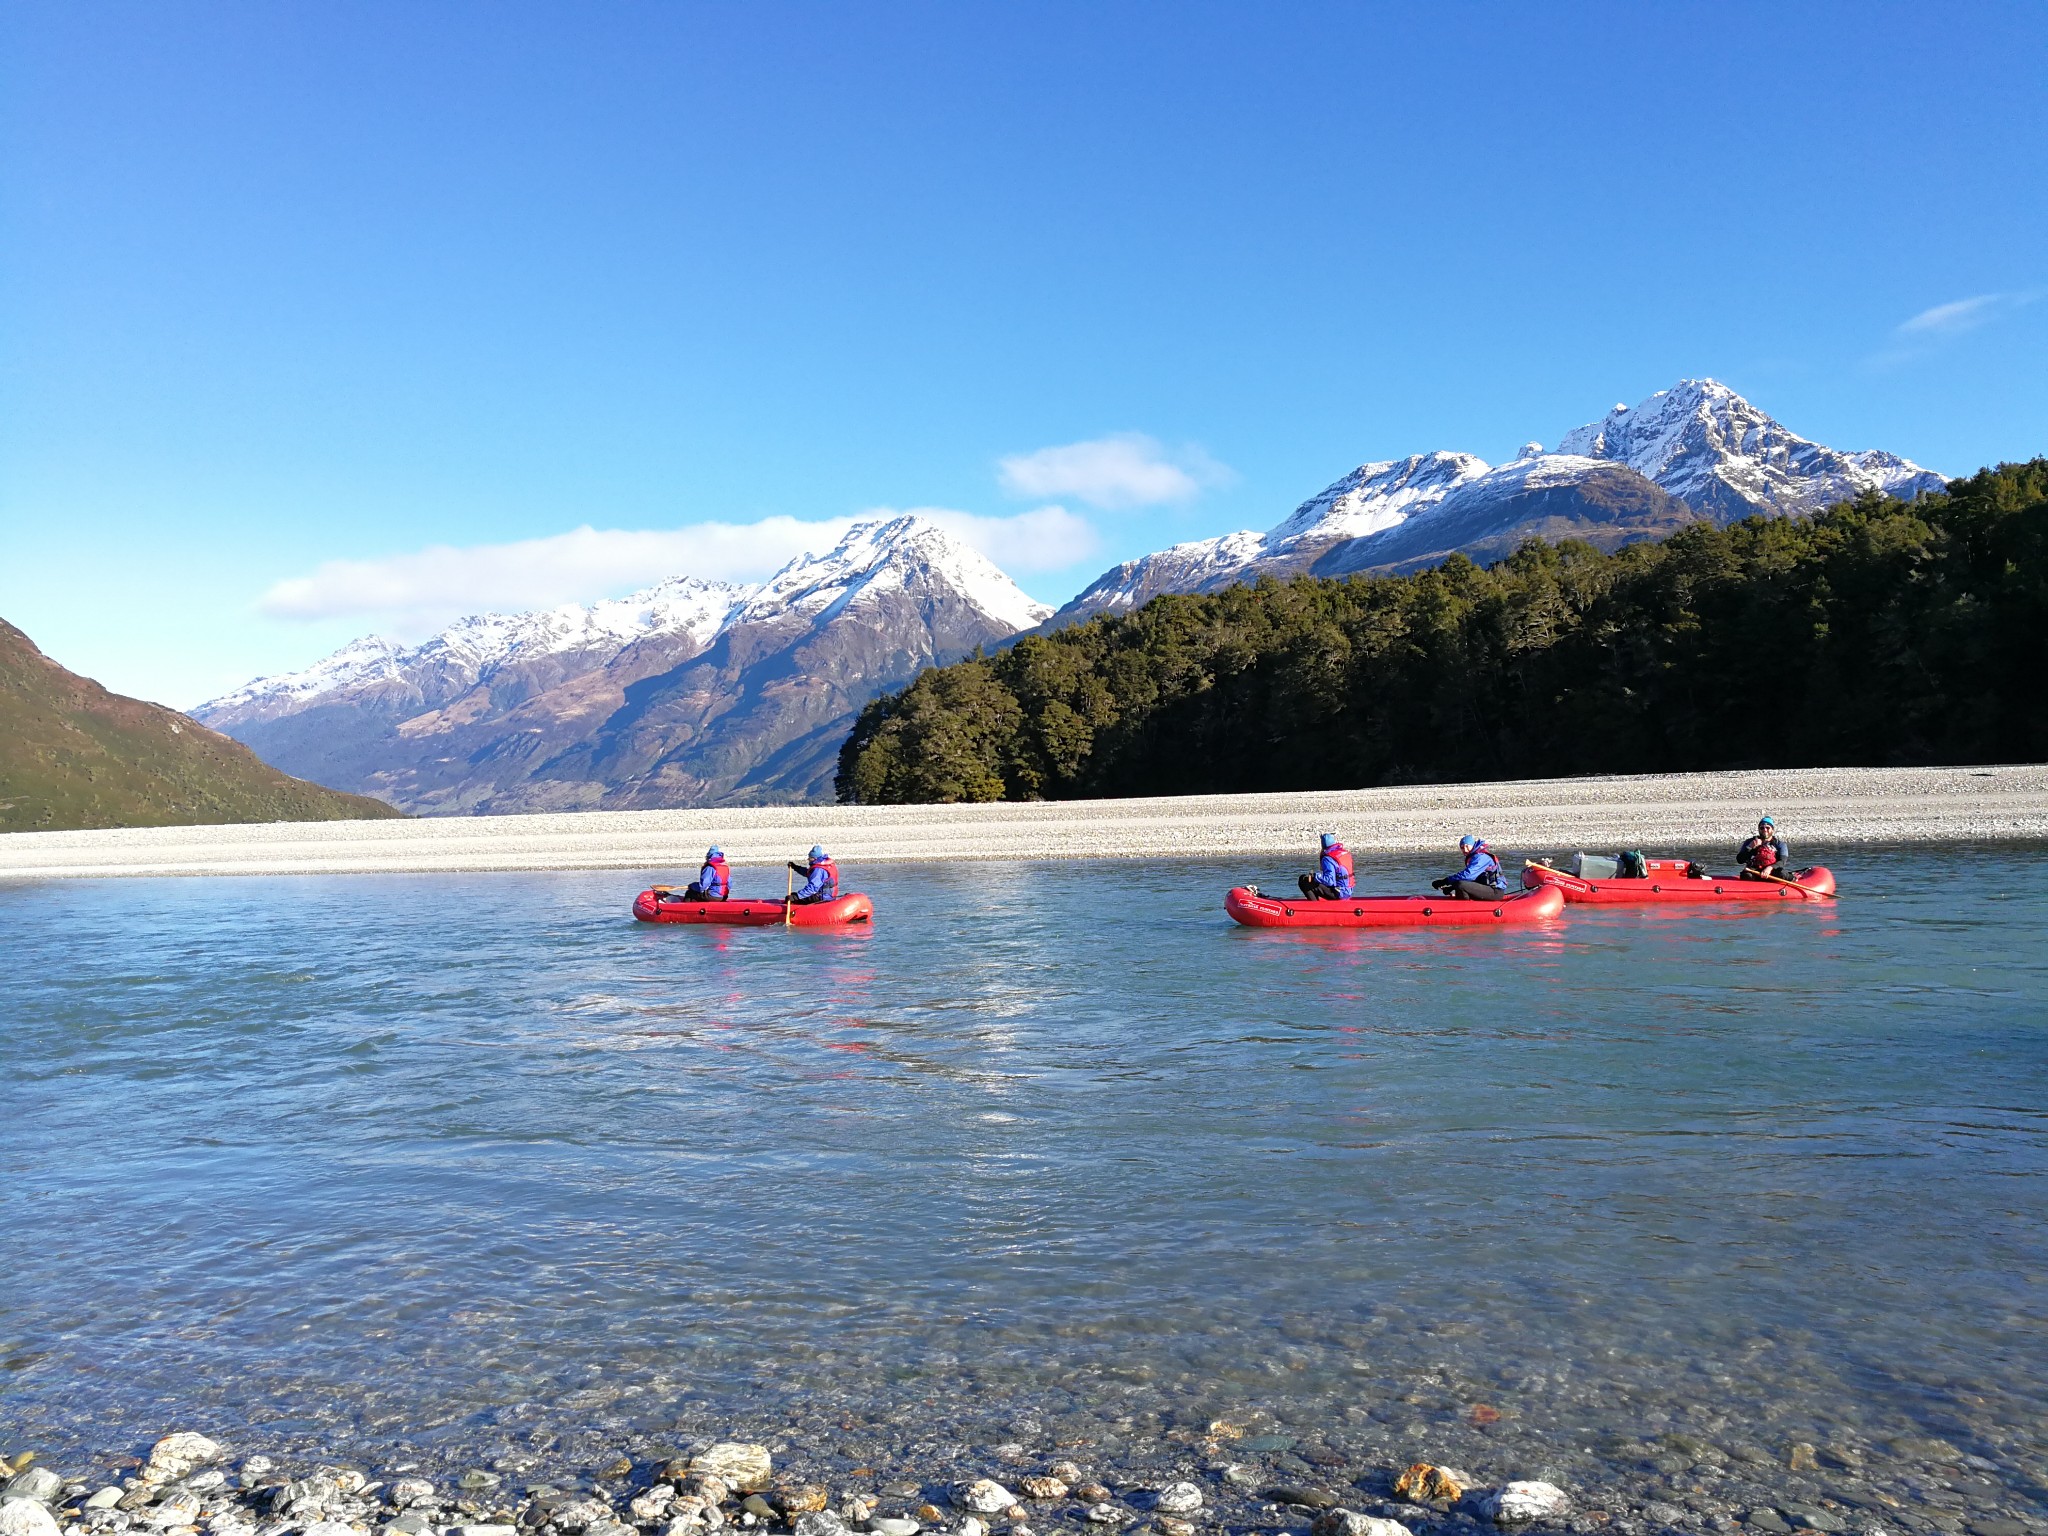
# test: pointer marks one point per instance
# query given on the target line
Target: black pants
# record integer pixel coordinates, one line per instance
(1316, 890)
(1474, 890)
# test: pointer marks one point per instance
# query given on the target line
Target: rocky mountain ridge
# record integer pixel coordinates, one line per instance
(688, 692)
(1697, 450)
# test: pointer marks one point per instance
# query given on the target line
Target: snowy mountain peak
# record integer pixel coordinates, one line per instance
(1704, 443)
(907, 552)
(1377, 496)
(472, 648)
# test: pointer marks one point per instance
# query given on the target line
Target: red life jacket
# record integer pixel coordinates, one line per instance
(1340, 856)
(722, 877)
(829, 891)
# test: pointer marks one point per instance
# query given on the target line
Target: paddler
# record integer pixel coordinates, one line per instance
(1332, 880)
(714, 880)
(1480, 879)
(821, 878)
(1764, 855)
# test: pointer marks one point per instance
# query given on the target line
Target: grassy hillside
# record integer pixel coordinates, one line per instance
(74, 755)
(1879, 632)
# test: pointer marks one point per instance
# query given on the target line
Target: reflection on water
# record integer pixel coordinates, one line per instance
(385, 1157)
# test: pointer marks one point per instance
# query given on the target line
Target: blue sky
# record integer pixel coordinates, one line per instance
(290, 294)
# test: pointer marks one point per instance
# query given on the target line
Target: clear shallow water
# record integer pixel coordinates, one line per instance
(412, 1163)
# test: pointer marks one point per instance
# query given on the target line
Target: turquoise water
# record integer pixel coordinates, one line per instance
(419, 1162)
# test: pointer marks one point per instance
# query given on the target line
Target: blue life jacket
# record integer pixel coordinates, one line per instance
(823, 884)
(1483, 867)
(1336, 869)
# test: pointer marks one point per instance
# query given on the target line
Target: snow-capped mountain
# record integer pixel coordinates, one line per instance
(473, 649)
(1370, 500)
(698, 692)
(1725, 459)
(690, 692)
(906, 555)
(1695, 450)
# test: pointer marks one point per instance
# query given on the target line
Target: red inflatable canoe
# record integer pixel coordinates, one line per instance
(1667, 882)
(668, 907)
(1259, 911)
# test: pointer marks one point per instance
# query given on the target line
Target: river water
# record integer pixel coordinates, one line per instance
(464, 1167)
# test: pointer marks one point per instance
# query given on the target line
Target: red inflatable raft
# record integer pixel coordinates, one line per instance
(669, 907)
(1667, 882)
(1258, 911)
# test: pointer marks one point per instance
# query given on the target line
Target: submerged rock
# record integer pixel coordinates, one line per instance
(1301, 1498)
(178, 1454)
(983, 1496)
(1345, 1522)
(1177, 1499)
(1521, 1502)
(806, 1500)
(1423, 1482)
(738, 1463)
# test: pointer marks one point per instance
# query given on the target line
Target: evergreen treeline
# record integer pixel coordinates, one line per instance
(1879, 632)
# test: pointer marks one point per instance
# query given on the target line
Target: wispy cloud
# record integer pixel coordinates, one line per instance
(1118, 472)
(414, 593)
(1922, 333)
(445, 581)
(1954, 317)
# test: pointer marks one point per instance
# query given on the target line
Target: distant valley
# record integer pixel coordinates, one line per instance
(73, 755)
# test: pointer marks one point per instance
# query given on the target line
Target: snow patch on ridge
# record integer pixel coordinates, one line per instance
(874, 558)
(896, 555)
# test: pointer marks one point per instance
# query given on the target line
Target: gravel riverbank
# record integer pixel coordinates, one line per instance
(1815, 806)
(1240, 1475)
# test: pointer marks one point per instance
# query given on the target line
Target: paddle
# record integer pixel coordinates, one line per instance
(788, 889)
(1764, 874)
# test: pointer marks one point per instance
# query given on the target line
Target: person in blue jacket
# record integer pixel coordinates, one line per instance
(821, 878)
(1765, 854)
(714, 880)
(1480, 879)
(1332, 880)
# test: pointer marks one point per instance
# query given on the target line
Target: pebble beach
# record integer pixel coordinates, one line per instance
(1242, 1474)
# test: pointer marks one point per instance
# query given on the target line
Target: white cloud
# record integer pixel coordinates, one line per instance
(1954, 317)
(1126, 469)
(415, 593)
(1043, 539)
(431, 586)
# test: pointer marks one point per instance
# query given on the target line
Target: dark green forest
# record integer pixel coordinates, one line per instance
(1878, 632)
